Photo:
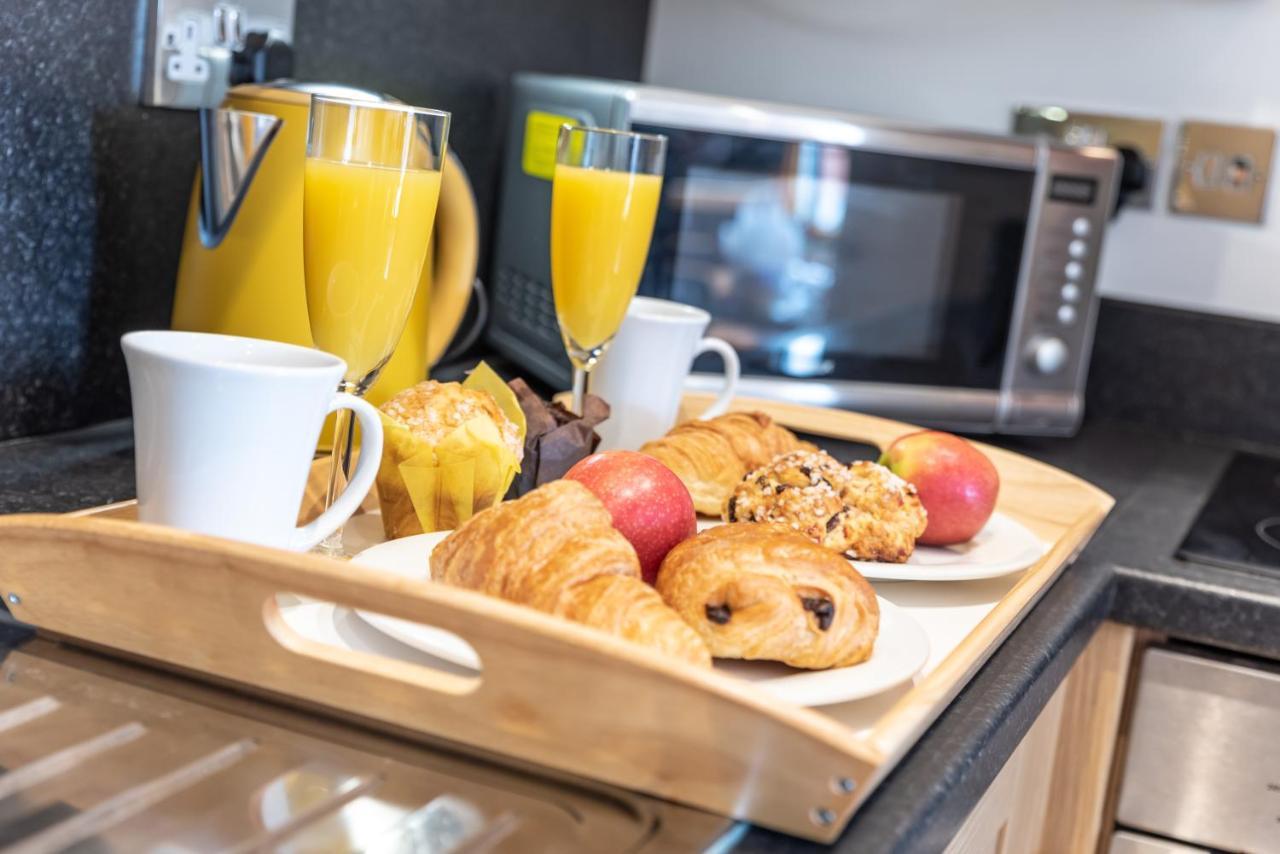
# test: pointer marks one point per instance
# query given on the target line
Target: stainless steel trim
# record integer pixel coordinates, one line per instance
(1089, 308)
(29, 711)
(130, 802)
(317, 782)
(1203, 764)
(322, 801)
(333, 90)
(674, 108)
(973, 409)
(232, 145)
(1124, 842)
(47, 767)
(1017, 327)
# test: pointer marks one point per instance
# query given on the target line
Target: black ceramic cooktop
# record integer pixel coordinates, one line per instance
(1239, 525)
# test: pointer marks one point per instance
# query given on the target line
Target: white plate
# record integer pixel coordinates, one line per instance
(1004, 545)
(407, 557)
(901, 649)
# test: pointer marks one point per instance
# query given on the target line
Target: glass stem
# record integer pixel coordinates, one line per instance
(339, 473)
(579, 388)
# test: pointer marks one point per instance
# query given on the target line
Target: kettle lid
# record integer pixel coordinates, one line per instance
(299, 92)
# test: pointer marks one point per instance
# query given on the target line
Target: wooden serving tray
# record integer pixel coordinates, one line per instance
(551, 692)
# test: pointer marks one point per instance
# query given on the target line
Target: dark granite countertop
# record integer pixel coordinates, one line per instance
(1127, 573)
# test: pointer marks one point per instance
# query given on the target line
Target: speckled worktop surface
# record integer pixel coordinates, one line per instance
(1127, 573)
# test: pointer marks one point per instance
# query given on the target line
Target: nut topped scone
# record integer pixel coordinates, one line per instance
(861, 510)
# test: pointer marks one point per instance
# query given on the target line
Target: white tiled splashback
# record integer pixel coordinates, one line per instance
(965, 64)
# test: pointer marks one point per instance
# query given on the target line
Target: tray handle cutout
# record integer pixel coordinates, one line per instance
(362, 650)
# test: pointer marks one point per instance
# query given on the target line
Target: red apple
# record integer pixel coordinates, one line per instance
(648, 503)
(957, 483)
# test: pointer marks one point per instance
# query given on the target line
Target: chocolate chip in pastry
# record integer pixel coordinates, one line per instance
(764, 591)
(861, 510)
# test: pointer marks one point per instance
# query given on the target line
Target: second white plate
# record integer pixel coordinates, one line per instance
(901, 649)
(1004, 545)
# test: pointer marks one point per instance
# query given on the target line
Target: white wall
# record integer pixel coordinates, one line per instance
(965, 63)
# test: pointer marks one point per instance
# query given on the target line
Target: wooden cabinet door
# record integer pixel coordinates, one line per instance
(1010, 816)
(1064, 759)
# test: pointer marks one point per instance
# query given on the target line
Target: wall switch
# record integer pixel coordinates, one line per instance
(1080, 128)
(1222, 171)
(191, 46)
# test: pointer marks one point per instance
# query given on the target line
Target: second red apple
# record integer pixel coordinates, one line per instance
(958, 485)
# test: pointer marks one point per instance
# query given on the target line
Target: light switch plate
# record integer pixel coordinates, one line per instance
(1075, 127)
(1222, 171)
(186, 61)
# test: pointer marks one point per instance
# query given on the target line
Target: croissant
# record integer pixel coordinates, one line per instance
(711, 457)
(763, 591)
(555, 549)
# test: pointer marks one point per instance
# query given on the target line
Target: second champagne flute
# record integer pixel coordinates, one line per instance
(370, 187)
(604, 198)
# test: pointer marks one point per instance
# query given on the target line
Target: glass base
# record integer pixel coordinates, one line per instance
(584, 357)
(583, 360)
(333, 546)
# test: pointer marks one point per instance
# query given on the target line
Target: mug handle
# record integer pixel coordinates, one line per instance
(361, 481)
(732, 371)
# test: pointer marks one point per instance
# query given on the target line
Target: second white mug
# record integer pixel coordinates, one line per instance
(643, 373)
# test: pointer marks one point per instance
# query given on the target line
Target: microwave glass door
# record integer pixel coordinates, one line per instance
(818, 260)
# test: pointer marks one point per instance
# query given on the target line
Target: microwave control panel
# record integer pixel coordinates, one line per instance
(1053, 325)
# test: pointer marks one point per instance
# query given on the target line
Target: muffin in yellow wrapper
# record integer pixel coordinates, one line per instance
(449, 450)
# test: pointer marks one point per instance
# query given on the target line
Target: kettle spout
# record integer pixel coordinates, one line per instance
(232, 145)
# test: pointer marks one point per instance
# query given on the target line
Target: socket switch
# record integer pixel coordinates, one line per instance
(1080, 128)
(191, 44)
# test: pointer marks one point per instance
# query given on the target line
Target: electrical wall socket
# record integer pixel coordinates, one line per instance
(1080, 128)
(190, 43)
(1222, 171)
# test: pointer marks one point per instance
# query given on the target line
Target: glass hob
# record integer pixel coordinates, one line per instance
(1239, 525)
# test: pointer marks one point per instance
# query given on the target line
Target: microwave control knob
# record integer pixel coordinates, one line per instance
(1047, 354)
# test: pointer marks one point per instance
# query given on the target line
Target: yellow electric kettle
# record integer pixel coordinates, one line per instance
(241, 270)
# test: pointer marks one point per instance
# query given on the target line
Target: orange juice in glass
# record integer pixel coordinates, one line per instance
(604, 199)
(367, 229)
(370, 186)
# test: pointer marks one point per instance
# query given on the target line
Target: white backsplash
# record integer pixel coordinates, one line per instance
(965, 64)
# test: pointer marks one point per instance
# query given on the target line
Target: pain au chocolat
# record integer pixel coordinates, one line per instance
(765, 591)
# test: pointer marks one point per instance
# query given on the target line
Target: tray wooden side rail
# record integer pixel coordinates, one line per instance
(550, 692)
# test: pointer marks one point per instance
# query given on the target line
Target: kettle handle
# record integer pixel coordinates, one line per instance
(457, 249)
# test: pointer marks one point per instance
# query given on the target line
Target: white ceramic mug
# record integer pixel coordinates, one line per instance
(643, 373)
(225, 429)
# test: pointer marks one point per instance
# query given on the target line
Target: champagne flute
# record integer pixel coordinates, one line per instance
(370, 187)
(604, 197)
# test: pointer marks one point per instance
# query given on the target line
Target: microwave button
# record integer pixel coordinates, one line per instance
(1077, 248)
(1074, 270)
(1080, 227)
(1070, 292)
(1066, 315)
(1046, 354)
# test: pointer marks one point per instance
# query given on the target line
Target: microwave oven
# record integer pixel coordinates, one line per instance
(940, 277)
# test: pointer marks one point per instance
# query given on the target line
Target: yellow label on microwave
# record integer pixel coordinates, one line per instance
(541, 130)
